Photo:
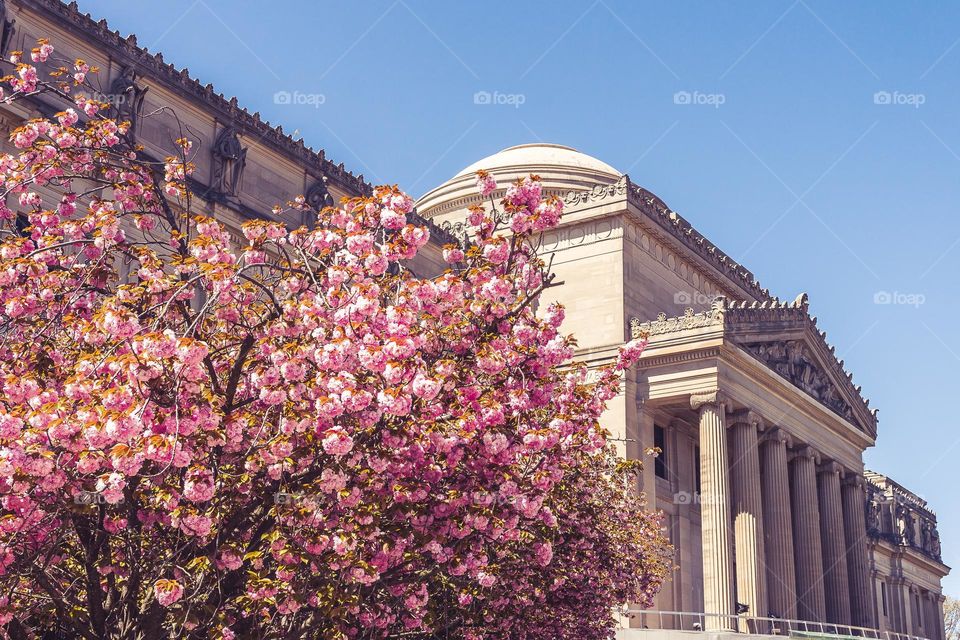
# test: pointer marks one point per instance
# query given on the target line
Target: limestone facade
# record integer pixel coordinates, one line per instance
(761, 430)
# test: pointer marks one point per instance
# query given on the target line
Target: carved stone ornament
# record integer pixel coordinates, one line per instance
(806, 451)
(317, 197)
(663, 324)
(778, 435)
(229, 160)
(6, 29)
(746, 416)
(698, 400)
(793, 361)
(126, 97)
(597, 192)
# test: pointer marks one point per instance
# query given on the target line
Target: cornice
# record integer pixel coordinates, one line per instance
(746, 324)
(680, 229)
(228, 111)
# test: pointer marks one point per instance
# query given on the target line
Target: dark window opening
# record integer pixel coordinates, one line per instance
(696, 468)
(660, 442)
(22, 224)
(883, 597)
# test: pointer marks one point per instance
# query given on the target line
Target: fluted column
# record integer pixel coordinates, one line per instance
(715, 512)
(858, 562)
(777, 525)
(835, 578)
(747, 513)
(807, 550)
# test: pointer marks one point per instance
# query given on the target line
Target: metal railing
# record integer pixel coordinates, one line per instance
(758, 625)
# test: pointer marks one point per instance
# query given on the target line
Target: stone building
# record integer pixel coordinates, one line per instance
(762, 431)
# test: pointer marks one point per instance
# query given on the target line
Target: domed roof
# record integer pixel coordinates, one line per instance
(561, 169)
(540, 154)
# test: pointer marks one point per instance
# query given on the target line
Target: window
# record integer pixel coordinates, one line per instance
(660, 442)
(883, 597)
(22, 224)
(696, 468)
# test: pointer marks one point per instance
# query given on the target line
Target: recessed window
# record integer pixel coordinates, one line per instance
(696, 468)
(883, 597)
(660, 442)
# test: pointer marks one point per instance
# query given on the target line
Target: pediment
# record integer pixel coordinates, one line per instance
(796, 361)
(785, 338)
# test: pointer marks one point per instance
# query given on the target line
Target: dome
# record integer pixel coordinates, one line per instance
(561, 169)
(540, 155)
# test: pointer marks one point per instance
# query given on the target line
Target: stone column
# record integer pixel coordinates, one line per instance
(939, 618)
(747, 513)
(808, 553)
(777, 526)
(835, 578)
(858, 561)
(715, 512)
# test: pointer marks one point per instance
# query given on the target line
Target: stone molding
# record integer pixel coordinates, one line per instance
(777, 434)
(747, 416)
(795, 359)
(805, 451)
(831, 466)
(707, 398)
(597, 192)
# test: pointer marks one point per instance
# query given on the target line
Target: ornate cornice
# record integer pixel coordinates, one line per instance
(130, 56)
(597, 192)
(746, 323)
(674, 224)
(689, 320)
(229, 110)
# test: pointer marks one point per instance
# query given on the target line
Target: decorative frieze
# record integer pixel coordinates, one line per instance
(793, 360)
(900, 517)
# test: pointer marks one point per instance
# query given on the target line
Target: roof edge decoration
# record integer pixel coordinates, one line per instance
(228, 109)
(798, 359)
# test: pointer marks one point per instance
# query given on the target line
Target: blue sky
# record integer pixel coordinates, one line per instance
(819, 145)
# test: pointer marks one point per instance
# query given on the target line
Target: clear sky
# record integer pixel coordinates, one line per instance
(816, 142)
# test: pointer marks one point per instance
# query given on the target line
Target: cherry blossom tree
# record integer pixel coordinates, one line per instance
(294, 438)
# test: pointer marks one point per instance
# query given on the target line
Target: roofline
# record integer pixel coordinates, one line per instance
(127, 51)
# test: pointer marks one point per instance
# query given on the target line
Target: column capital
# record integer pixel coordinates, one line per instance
(777, 434)
(747, 416)
(830, 466)
(706, 398)
(854, 480)
(805, 451)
